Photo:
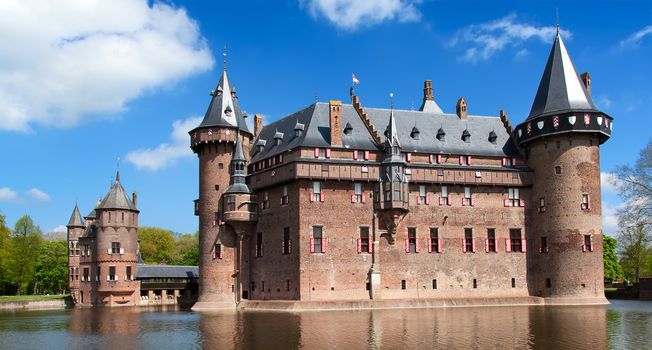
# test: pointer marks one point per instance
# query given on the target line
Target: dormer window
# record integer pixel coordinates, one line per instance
(466, 136)
(219, 91)
(260, 145)
(228, 110)
(492, 137)
(278, 138)
(348, 129)
(233, 93)
(415, 133)
(298, 129)
(441, 135)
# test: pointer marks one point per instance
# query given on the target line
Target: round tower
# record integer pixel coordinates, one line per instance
(116, 245)
(562, 137)
(76, 228)
(213, 141)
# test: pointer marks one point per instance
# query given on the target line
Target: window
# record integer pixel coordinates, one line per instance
(434, 284)
(513, 197)
(230, 203)
(86, 276)
(217, 251)
(509, 162)
(109, 216)
(491, 241)
(513, 282)
(585, 201)
(287, 285)
(87, 251)
(548, 283)
(440, 172)
(265, 200)
(98, 273)
(123, 217)
(316, 195)
(71, 248)
(588, 244)
(411, 241)
(115, 247)
(515, 240)
(558, 168)
(422, 198)
(76, 248)
(220, 166)
(444, 200)
(465, 160)
(259, 244)
(468, 199)
(317, 240)
(128, 273)
(357, 193)
(542, 204)
(475, 283)
(469, 243)
(285, 199)
(287, 244)
(112, 276)
(544, 245)
(434, 244)
(364, 246)
(403, 284)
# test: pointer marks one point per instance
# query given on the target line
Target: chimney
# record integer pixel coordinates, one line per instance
(258, 124)
(134, 199)
(427, 91)
(586, 79)
(460, 109)
(335, 113)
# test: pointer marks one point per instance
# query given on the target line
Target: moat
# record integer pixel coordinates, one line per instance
(620, 325)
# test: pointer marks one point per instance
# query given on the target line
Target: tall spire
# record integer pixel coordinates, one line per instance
(238, 170)
(117, 172)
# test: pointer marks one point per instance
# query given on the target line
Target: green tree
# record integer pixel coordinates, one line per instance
(186, 250)
(5, 238)
(612, 269)
(635, 251)
(156, 245)
(52, 268)
(22, 253)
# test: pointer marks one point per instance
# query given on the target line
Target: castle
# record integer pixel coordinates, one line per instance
(344, 202)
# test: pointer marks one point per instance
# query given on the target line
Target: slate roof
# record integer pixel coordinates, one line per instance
(224, 108)
(76, 219)
(166, 271)
(560, 89)
(315, 117)
(116, 198)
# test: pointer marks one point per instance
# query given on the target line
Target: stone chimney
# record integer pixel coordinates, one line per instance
(586, 79)
(460, 109)
(335, 113)
(258, 124)
(134, 199)
(427, 91)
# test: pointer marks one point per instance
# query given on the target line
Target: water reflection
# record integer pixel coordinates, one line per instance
(626, 325)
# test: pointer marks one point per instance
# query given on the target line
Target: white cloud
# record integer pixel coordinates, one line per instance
(166, 154)
(7, 194)
(484, 40)
(610, 218)
(65, 62)
(60, 228)
(353, 14)
(38, 195)
(609, 183)
(603, 101)
(635, 39)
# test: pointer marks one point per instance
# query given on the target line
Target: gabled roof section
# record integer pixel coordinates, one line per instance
(76, 219)
(117, 198)
(560, 89)
(224, 109)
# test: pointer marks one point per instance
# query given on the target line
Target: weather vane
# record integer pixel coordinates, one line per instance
(224, 56)
(391, 100)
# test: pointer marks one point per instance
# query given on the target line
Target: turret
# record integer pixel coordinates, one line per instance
(214, 143)
(561, 138)
(76, 229)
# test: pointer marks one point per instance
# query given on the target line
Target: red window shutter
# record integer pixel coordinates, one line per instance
(407, 245)
(353, 199)
(408, 156)
(430, 245)
(504, 161)
(214, 254)
(221, 254)
(513, 161)
(312, 244)
(591, 243)
(328, 152)
(364, 198)
(584, 248)
(521, 202)
(371, 247)
(486, 245)
(524, 245)
(289, 246)
(322, 197)
(359, 245)
(282, 247)
(464, 245)
(470, 159)
(508, 245)
(418, 199)
(261, 249)
(439, 245)
(323, 245)
(461, 160)
(474, 245)
(418, 248)
(439, 159)
(506, 202)
(280, 158)
(366, 155)
(281, 200)
(312, 197)
(463, 202)
(432, 158)
(440, 201)
(427, 200)
(448, 201)
(472, 201)
(355, 154)
(316, 152)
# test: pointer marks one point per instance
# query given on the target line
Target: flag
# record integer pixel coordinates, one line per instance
(354, 79)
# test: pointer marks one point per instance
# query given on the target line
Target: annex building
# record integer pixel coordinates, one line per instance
(343, 202)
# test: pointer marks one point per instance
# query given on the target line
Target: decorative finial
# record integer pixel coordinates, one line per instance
(557, 9)
(117, 174)
(224, 57)
(391, 100)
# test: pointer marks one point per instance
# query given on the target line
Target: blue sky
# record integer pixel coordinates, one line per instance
(82, 85)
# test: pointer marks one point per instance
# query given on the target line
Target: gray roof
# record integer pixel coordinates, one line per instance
(315, 117)
(117, 198)
(560, 89)
(224, 109)
(166, 271)
(76, 219)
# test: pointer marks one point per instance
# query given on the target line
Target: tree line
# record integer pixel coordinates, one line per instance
(31, 265)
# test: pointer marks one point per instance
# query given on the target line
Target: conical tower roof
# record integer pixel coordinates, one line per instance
(117, 198)
(560, 89)
(239, 170)
(224, 109)
(76, 219)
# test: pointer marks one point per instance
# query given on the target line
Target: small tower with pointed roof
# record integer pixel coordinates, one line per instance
(75, 230)
(214, 142)
(561, 138)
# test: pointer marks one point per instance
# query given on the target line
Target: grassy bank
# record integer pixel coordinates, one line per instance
(11, 298)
